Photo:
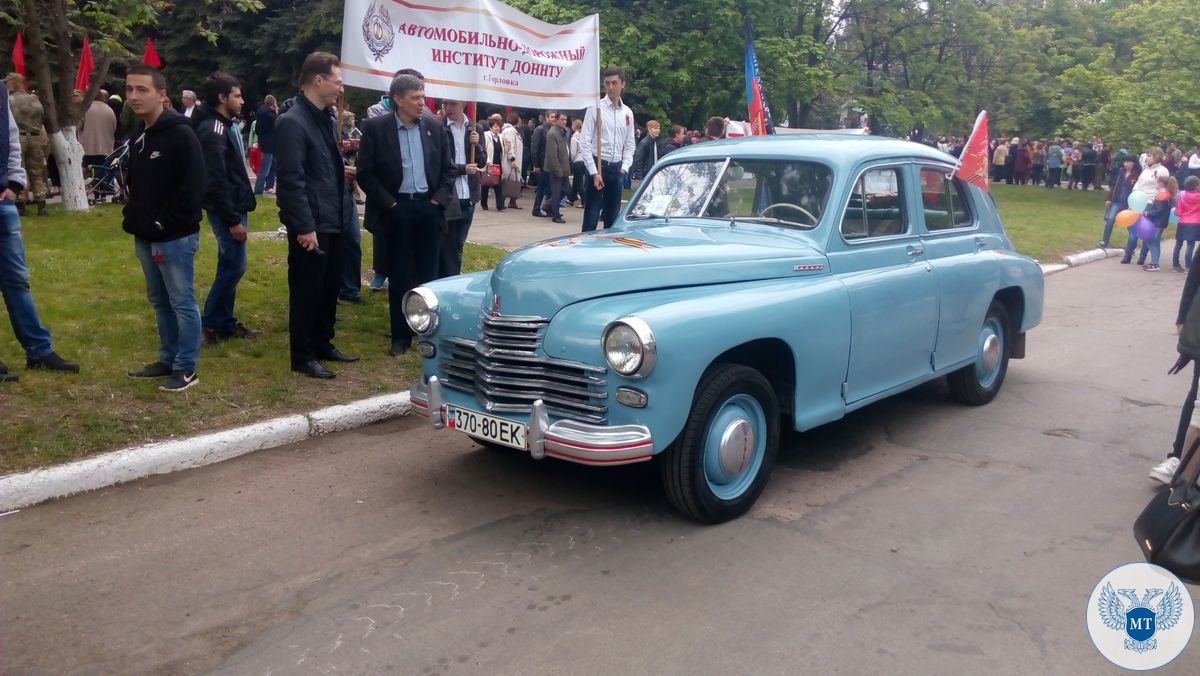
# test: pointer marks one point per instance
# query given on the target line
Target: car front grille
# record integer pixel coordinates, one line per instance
(506, 371)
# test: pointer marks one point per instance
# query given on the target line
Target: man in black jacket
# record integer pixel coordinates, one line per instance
(537, 155)
(646, 155)
(466, 139)
(406, 169)
(315, 204)
(264, 129)
(228, 200)
(166, 188)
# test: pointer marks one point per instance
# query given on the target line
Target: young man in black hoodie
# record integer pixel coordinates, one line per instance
(228, 200)
(166, 189)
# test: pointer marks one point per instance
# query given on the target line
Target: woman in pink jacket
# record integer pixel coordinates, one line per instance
(1187, 207)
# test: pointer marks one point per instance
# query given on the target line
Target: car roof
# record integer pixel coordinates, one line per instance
(838, 149)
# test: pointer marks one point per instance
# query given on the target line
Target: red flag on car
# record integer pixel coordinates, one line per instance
(18, 55)
(86, 66)
(973, 164)
(150, 57)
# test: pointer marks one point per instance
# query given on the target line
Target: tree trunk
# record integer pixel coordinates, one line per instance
(68, 153)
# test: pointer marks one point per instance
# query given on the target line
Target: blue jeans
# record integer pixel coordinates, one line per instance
(231, 265)
(169, 268)
(266, 174)
(14, 284)
(1131, 244)
(543, 190)
(1110, 217)
(1156, 245)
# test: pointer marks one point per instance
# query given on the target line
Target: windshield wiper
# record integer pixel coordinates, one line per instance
(666, 219)
(767, 220)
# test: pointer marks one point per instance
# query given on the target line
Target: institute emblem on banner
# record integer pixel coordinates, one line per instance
(377, 30)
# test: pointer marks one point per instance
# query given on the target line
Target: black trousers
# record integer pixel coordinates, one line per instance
(606, 201)
(1185, 415)
(313, 282)
(414, 244)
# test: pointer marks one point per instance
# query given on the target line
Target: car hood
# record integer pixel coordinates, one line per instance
(541, 278)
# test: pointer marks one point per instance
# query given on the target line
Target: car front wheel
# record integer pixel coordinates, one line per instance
(720, 463)
(979, 382)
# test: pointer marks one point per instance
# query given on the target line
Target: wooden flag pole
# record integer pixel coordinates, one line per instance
(470, 127)
(599, 141)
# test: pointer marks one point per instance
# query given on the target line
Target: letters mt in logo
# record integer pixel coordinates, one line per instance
(377, 30)
(1139, 619)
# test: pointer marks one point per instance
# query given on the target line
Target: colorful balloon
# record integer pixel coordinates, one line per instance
(1138, 201)
(1174, 217)
(1126, 218)
(1145, 229)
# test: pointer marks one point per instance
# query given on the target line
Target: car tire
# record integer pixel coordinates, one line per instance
(979, 382)
(722, 459)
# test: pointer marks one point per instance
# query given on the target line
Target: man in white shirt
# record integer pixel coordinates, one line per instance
(189, 102)
(463, 134)
(616, 145)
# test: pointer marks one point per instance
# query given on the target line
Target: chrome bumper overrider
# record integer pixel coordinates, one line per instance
(571, 440)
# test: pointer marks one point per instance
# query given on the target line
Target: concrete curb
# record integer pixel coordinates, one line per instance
(30, 488)
(1091, 255)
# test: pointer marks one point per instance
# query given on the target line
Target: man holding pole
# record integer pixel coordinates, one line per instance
(607, 144)
(469, 155)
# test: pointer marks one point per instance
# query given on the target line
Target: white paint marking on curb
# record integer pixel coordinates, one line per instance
(1085, 257)
(359, 413)
(30, 488)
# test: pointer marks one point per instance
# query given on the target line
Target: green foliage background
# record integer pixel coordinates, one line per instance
(1121, 69)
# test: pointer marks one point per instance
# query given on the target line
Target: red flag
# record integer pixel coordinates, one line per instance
(18, 55)
(150, 57)
(431, 103)
(86, 66)
(973, 164)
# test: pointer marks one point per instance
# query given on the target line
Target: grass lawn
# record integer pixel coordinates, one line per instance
(1049, 223)
(90, 293)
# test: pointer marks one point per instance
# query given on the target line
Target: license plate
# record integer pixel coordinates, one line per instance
(497, 430)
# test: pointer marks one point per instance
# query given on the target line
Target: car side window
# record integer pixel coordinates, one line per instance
(876, 206)
(943, 201)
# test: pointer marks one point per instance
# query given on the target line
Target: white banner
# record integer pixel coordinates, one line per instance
(473, 50)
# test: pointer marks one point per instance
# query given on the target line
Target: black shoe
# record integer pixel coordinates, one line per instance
(538, 213)
(153, 370)
(179, 381)
(557, 219)
(41, 205)
(1142, 261)
(5, 376)
(334, 354)
(484, 207)
(314, 369)
(208, 338)
(1126, 260)
(398, 349)
(240, 330)
(52, 362)
(501, 208)
(354, 300)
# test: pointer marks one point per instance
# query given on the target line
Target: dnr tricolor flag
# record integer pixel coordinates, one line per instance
(760, 113)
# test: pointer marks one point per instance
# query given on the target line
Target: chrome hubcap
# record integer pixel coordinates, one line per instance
(991, 353)
(737, 447)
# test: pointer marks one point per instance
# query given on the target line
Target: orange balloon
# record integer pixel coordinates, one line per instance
(1126, 218)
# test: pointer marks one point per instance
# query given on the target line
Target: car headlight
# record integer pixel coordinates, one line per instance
(629, 347)
(420, 310)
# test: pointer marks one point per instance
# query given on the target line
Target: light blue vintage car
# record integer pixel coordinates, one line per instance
(748, 282)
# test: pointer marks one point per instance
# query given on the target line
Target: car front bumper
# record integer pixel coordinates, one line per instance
(569, 440)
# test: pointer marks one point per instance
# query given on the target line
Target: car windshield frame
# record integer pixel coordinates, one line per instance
(661, 201)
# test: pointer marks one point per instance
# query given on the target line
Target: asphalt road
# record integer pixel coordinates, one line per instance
(917, 536)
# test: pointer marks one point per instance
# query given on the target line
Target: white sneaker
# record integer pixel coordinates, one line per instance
(1165, 470)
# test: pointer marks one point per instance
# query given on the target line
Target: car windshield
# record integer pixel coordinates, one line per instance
(784, 192)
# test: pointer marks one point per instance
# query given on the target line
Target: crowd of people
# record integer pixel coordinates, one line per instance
(418, 173)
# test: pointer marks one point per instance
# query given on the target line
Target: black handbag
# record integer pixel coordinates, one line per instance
(1168, 529)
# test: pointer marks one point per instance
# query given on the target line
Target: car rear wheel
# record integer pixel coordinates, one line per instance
(979, 382)
(721, 461)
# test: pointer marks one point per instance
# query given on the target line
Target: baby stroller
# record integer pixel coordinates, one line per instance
(107, 180)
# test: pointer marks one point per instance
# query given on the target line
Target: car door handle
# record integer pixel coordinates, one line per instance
(981, 242)
(916, 251)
